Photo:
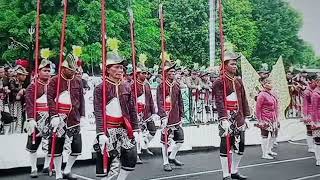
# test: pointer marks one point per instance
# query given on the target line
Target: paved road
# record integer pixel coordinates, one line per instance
(293, 163)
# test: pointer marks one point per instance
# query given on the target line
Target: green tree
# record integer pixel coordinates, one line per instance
(187, 30)
(239, 26)
(83, 27)
(278, 26)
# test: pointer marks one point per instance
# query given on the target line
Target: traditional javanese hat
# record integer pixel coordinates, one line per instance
(169, 65)
(45, 63)
(70, 62)
(113, 59)
(229, 55)
(45, 53)
(21, 70)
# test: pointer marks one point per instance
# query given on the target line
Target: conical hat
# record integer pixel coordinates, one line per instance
(44, 63)
(70, 62)
(113, 58)
(21, 70)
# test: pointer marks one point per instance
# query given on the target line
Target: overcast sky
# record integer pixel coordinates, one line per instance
(310, 10)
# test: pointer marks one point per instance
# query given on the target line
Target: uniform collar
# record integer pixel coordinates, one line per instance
(228, 76)
(67, 79)
(169, 83)
(139, 82)
(116, 83)
(42, 82)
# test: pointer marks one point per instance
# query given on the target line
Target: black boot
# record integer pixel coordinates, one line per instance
(45, 171)
(227, 178)
(167, 167)
(69, 176)
(175, 162)
(238, 176)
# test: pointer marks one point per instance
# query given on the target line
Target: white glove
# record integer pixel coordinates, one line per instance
(136, 134)
(199, 87)
(225, 124)
(164, 122)
(103, 139)
(32, 124)
(55, 121)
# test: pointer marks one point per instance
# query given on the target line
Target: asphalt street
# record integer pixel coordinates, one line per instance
(292, 163)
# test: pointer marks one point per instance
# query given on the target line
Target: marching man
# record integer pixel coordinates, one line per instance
(66, 119)
(121, 121)
(38, 124)
(146, 111)
(232, 107)
(170, 110)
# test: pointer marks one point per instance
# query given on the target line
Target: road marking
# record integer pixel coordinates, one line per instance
(307, 177)
(83, 177)
(242, 167)
(297, 143)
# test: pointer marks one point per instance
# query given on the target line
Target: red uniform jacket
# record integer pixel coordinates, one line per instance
(29, 97)
(123, 91)
(174, 107)
(74, 86)
(148, 107)
(232, 85)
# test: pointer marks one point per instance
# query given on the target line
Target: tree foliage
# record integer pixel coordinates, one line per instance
(279, 25)
(261, 29)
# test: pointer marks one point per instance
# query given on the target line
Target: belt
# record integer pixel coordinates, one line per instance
(114, 122)
(232, 105)
(117, 122)
(64, 108)
(140, 108)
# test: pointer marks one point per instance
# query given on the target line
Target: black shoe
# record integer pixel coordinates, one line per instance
(45, 171)
(227, 178)
(167, 167)
(238, 176)
(69, 176)
(139, 161)
(175, 162)
(34, 174)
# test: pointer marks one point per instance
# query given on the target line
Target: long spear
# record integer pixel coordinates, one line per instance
(134, 65)
(224, 78)
(36, 60)
(62, 43)
(104, 84)
(161, 16)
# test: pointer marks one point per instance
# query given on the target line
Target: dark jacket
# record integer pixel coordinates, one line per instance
(126, 99)
(175, 114)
